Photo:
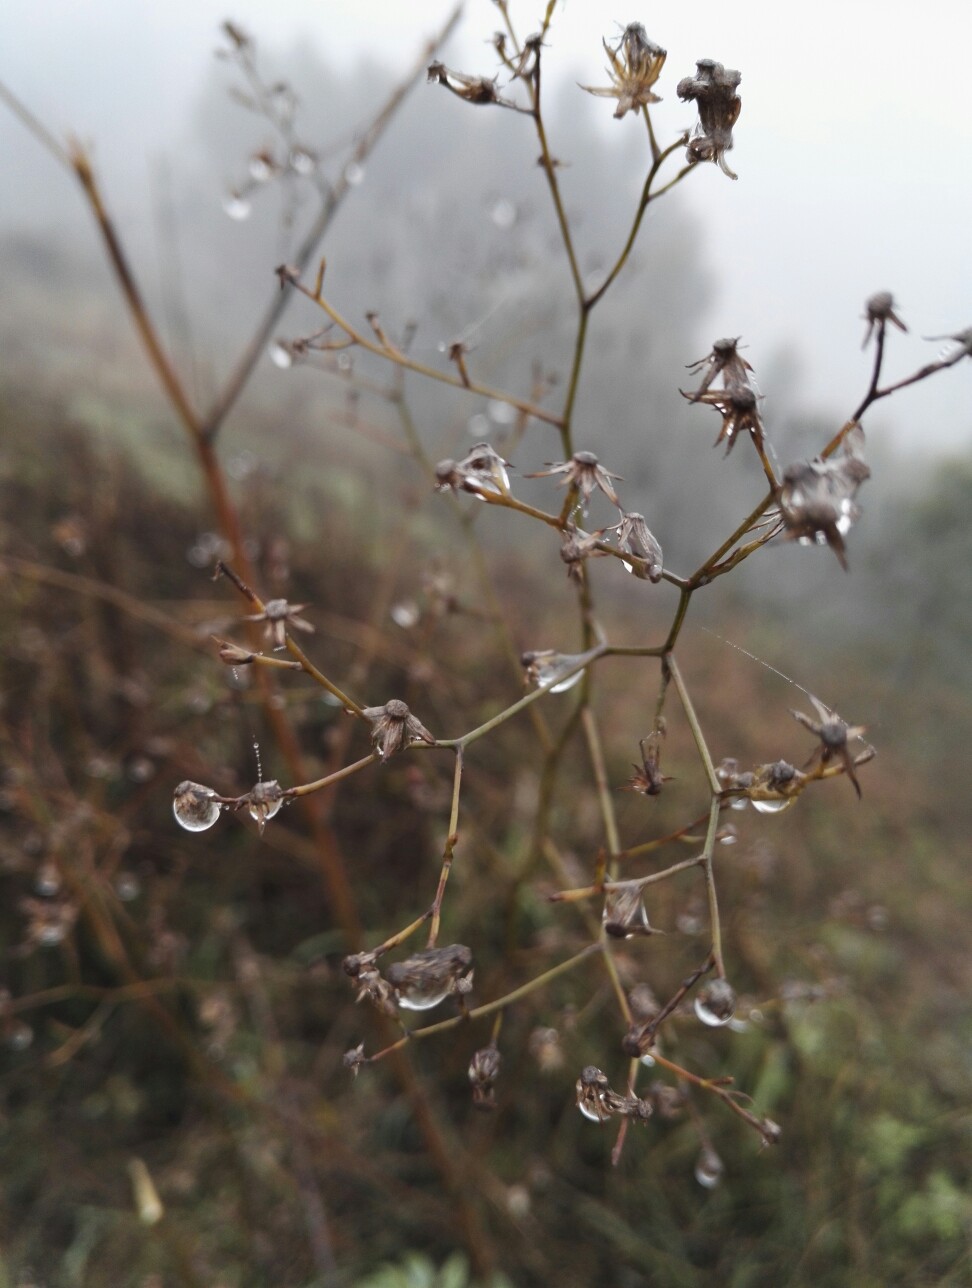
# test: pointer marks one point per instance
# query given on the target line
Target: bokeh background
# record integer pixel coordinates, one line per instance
(175, 1008)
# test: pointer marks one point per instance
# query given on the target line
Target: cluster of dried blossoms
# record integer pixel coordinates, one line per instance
(812, 502)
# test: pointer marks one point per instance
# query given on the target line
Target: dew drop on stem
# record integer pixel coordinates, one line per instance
(195, 807)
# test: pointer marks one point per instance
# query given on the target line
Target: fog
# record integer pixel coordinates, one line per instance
(850, 153)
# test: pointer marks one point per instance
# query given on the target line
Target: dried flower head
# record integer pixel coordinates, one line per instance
(473, 89)
(278, 615)
(427, 978)
(576, 546)
(393, 727)
(263, 801)
(597, 1101)
(834, 734)
(714, 90)
(545, 1047)
(625, 915)
(354, 1059)
(725, 360)
(484, 1069)
(634, 65)
(636, 539)
(737, 407)
(482, 472)
(583, 473)
(879, 311)
(361, 968)
(817, 499)
(648, 778)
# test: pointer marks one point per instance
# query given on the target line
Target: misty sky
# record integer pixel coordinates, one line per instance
(853, 147)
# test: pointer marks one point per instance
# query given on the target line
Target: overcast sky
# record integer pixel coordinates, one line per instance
(853, 148)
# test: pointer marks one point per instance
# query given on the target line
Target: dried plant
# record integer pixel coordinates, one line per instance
(814, 503)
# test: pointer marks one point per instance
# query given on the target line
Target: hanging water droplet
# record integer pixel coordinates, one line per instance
(589, 1111)
(236, 206)
(740, 802)
(503, 214)
(280, 355)
(405, 614)
(141, 769)
(50, 934)
(477, 426)
(265, 800)
(19, 1036)
(773, 807)
(302, 161)
(261, 168)
(127, 886)
(428, 978)
(194, 806)
(709, 1169)
(648, 1060)
(715, 1003)
(500, 412)
(48, 880)
(354, 173)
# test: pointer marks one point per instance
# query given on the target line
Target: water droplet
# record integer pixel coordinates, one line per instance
(414, 999)
(302, 161)
(589, 1112)
(51, 934)
(727, 835)
(344, 362)
(715, 1003)
(709, 1169)
(405, 614)
(194, 806)
(261, 168)
(503, 214)
(141, 769)
(236, 206)
(478, 426)
(265, 800)
(501, 412)
(19, 1036)
(280, 355)
(127, 886)
(569, 683)
(48, 880)
(773, 807)
(354, 173)
(739, 802)
(648, 1060)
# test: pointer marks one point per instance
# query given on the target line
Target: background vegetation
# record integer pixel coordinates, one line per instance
(175, 1107)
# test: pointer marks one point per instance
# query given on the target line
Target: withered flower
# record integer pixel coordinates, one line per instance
(361, 968)
(635, 538)
(474, 89)
(625, 915)
(354, 1059)
(737, 407)
(484, 1069)
(482, 471)
(775, 786)
(263, 801)
(545, 1047)
(880, 311)
(648, 779)
(576, 546)
(393, 727)
(598, 1102)
(278, 614)
(817, 499)
(833, 733)
(725, 360)
(584, 473)
(714, 90)
(635, 64)
(427, 978)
